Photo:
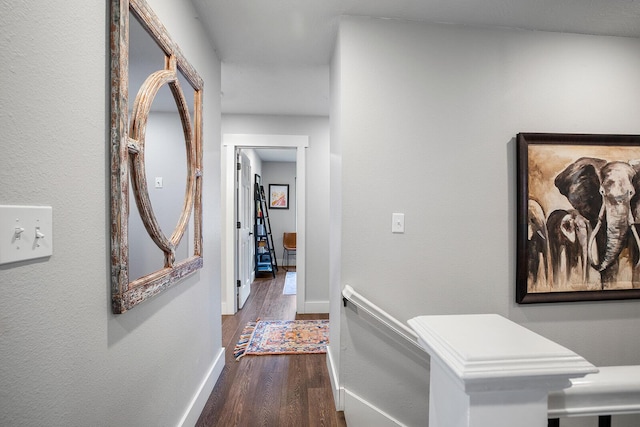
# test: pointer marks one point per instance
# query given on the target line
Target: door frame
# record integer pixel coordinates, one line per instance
(230, 142)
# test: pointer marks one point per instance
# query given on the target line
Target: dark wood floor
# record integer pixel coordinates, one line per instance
(269, 391)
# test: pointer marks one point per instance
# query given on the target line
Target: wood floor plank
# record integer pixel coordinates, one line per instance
(266, 400)
(274, 390)
(321, 412)
(294, 406)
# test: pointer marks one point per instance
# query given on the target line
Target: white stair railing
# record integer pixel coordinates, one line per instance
(614, 390)
(487, 371)
(400, 329)
(602, 392)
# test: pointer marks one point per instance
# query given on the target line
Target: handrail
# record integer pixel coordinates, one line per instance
(613, 390)
(357, 299)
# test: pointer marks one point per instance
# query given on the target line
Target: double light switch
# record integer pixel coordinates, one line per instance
(26, 232)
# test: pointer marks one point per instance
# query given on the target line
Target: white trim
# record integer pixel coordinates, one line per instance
(613, 390)
(316, 307)
(225, 309)
(229, 144)
(358, 412)
(229, 301)
(264, 140)
(301, 219)
(478, 351)
(201, 396)
(338, 392)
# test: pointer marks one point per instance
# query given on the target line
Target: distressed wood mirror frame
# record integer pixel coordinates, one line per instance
(128, 161)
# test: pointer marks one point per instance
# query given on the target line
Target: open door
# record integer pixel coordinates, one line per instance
(244, 207)
(230, 250)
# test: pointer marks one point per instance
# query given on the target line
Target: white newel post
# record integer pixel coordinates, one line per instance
(487, 371)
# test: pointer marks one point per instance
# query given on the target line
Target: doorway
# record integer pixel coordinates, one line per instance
(231, 143)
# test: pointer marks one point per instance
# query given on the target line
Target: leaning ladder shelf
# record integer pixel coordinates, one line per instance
(264, 250)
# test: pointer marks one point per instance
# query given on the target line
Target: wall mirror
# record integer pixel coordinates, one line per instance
(156, 158)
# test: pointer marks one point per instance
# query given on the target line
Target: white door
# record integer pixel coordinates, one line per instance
(244, 233)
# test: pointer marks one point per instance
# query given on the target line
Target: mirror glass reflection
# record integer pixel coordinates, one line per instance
(165, 157)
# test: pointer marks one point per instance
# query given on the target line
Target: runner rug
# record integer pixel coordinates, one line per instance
(283, 337)
(290, 283)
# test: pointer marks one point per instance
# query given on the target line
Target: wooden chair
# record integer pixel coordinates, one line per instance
(289, 245)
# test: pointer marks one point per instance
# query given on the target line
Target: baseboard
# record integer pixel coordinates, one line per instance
(360, 413)
(225, 309)
(201, 396)
(316, 306)
(338, 392)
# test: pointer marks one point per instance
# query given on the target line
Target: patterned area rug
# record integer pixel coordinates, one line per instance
(283, 337)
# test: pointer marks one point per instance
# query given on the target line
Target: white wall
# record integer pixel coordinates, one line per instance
(255, 160)
(282, 220)
(66, 359)
(427, 120)
(317, 166)
(335, 226)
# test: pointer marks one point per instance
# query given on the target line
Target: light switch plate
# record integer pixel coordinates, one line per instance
(397, 223)
(26, 232)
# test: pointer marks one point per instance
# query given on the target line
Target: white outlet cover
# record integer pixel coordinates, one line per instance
(16, 245)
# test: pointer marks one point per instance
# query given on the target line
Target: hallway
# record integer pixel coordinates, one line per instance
(270, 391)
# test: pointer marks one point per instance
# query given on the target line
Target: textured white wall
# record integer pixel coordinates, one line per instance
(66, 360)
(428, 117)
(317, 128)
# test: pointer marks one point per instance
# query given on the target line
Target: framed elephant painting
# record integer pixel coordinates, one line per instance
(578, 217)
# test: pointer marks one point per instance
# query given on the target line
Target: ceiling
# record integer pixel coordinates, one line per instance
(276, 154)
(275, 54)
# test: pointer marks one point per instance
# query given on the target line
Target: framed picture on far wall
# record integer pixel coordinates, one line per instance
(578, 217)
(278, 196)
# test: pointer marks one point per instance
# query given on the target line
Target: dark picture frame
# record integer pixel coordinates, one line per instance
(278, 196)
(578, 203)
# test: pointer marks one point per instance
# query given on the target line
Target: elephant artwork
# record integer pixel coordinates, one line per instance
(588, 186)
(569, 234)
(537, 246)
(605, 193)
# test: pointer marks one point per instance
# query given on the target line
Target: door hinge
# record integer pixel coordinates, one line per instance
(238, 283)
(238, 225)
(238, 166)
